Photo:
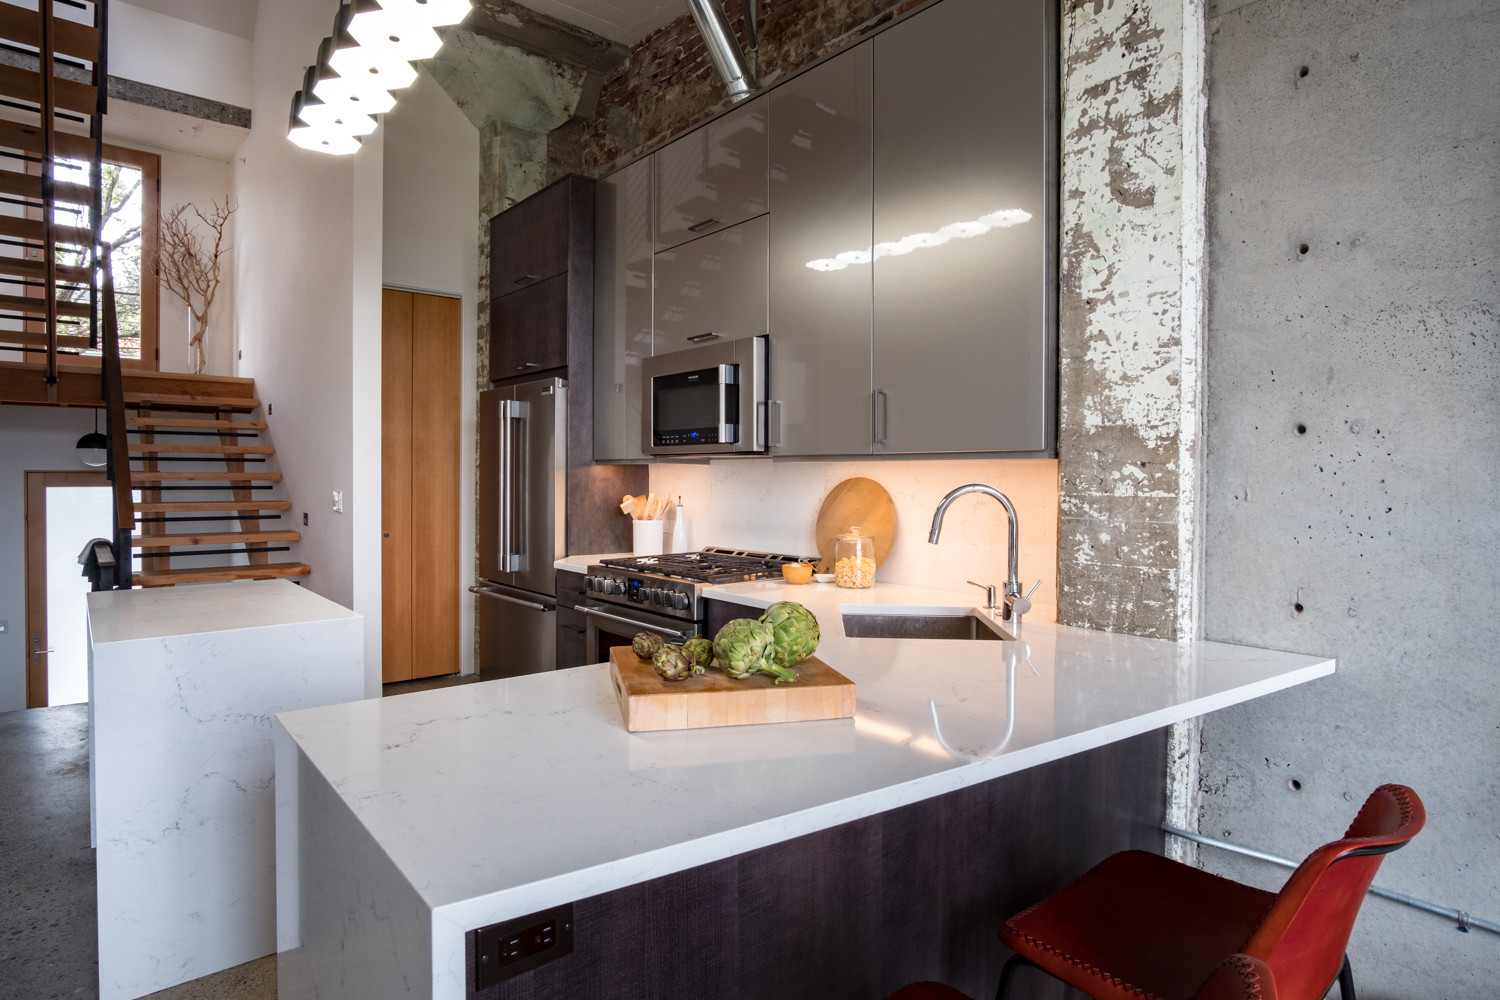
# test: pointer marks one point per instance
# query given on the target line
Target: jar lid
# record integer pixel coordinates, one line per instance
(854, 532)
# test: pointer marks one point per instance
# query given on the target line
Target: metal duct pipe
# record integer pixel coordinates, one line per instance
(723, 48)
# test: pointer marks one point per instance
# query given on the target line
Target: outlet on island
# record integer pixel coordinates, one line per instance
(515, 946)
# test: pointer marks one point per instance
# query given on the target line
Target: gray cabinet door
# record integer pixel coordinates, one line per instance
(820, 131)
(713, 177)
(714, 285)
(622, 309)
(963, 217)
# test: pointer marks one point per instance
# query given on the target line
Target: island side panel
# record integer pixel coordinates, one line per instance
(357, 928)
(864, 908)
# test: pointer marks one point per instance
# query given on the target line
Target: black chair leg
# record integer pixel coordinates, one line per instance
(1016, 962)
(1346, 980)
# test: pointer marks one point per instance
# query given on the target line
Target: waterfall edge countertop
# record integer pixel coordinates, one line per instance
(498, 799)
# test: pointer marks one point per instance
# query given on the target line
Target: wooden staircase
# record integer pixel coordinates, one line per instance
(212, 520)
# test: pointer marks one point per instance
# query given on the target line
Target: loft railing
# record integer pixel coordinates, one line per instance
(113, 380)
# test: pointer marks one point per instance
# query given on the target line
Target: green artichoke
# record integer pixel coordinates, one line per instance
(671, 664)
(700, 652)
(794, 630)
(743, 647)
(647, 644)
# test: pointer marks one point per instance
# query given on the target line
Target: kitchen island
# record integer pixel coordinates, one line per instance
(405, 824)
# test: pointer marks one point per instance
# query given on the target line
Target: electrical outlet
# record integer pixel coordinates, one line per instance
(270, 408)
(508, 949)
(304, 519)
(338, 501)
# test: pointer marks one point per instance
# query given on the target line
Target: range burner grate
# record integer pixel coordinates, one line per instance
(711, 565)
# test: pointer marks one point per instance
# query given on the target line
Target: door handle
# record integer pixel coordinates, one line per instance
(491, 592)
(696, 227)
(880, 416)
(638, 626)
(506, 486)
(524, 278)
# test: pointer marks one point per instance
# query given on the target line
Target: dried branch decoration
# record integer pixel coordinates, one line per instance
(190, 266)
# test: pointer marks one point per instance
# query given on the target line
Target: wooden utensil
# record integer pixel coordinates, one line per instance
(857, 501)
(649, 703)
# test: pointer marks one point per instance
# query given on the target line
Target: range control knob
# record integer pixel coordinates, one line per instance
(591, 583)
(681, 601)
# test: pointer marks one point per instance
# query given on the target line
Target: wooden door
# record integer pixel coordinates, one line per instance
(421, 389)
(38, 642)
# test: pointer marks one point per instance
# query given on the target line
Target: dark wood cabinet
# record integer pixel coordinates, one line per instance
(570, 623)
(528, 330)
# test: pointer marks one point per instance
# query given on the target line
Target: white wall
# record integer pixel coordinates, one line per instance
(32, 439)
(168, 52)
(308, 274)
(431, 245)
(773, 507)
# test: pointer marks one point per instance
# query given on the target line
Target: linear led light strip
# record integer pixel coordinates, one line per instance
(1003, 219)
(369, 54)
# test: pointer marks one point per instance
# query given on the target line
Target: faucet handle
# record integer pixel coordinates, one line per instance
(989, 594)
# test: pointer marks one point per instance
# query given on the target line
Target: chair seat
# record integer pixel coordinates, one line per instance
(928, 991)
(1118, 916)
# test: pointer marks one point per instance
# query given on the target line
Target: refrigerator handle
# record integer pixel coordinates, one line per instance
(517, 487)
(507, 485)
(497, 595)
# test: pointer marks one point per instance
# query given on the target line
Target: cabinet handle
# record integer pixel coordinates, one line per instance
(701, 338)
(880, 416)
(773, 433)
(703, 225)
(529, 364)
(524, 278)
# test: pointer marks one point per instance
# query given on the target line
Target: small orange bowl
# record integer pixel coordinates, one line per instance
(796, 572)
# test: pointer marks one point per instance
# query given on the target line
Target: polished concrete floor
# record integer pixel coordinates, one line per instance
(48, 928)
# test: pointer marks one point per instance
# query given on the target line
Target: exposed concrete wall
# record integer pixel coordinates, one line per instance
(1354, 449)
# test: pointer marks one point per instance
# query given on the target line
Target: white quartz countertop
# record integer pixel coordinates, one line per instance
(196, 609)
(501, 798)
(581, 564)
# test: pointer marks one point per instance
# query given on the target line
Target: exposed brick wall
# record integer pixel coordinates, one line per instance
(668, 84)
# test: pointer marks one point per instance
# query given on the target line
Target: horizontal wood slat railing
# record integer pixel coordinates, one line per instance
(70, 38)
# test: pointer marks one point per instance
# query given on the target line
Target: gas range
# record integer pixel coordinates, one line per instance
(672, 584)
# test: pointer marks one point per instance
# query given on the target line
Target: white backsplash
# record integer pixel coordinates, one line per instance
(773, 506)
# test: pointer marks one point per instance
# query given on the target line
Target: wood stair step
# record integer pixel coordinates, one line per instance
(67, 95)
(152, 448)
(141, 478)
(164, 423)
(153, 400)
(35, 230)
(36, 270)
(37, 306)
(210, 538)
(187, 506)
(215, 574)
(28, 139)
(40, 339)
(69, 38)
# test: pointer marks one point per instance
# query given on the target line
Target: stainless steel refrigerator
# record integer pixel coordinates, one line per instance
(523, 433)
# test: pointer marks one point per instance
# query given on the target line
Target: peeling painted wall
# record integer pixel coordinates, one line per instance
(1353, 457)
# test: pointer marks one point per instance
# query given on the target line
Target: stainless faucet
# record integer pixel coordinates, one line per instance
(1014, 605)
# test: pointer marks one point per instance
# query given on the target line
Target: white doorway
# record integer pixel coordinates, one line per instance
(64, 511)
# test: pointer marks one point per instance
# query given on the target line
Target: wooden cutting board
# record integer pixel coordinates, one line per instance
(858, 501)
(715, 699)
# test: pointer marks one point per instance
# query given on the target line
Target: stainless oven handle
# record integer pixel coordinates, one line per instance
(490, 592)
(601, 613)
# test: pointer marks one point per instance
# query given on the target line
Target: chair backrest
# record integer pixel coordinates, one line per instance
(1240, 977)
(1306, 931)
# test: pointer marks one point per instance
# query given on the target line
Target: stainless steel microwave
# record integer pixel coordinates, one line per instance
(708, 400)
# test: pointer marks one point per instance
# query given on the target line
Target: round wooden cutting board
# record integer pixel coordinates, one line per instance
(858, 501)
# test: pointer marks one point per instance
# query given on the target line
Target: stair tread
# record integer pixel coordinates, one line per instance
(212, 574)
(161, 423)
(153, 447)
(35, 230)
(28, 139)
(67, 95)
(37, 306)
(138, 476)
(36, 270)
(178, 506)
(168, 401)
(212, 538)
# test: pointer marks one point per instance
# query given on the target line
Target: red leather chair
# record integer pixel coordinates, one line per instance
(1140, 927)
(1240, 977)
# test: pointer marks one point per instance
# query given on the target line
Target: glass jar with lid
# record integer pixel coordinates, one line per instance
(854, 560)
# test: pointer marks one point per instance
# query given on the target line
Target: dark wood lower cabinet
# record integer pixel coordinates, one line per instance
(570, 623)
(859, 910)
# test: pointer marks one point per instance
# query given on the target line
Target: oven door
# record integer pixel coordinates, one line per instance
(608, 625)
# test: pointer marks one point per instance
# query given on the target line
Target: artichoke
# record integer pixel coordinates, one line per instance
(647, 644)
(794, 630)
(743, 647)
(671, 664)
(700, 652)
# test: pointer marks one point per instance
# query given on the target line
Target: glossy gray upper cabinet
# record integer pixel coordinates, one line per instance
(820, 259)
(713, 177)
(622, 308)
(712, 289)
(964, 294)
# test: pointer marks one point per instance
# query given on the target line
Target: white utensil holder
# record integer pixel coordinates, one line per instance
(646, 537)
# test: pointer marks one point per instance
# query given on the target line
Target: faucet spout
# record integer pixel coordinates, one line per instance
(1013, 596)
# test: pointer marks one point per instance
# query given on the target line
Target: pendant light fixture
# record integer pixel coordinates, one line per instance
(369, 54)
(93, 448)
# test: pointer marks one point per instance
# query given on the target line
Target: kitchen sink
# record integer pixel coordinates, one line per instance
(935, 626)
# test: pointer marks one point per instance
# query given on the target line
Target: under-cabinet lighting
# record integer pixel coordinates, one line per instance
(1003, 219)
(369, 54)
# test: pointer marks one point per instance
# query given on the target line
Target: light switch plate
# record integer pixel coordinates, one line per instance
(338, 501)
